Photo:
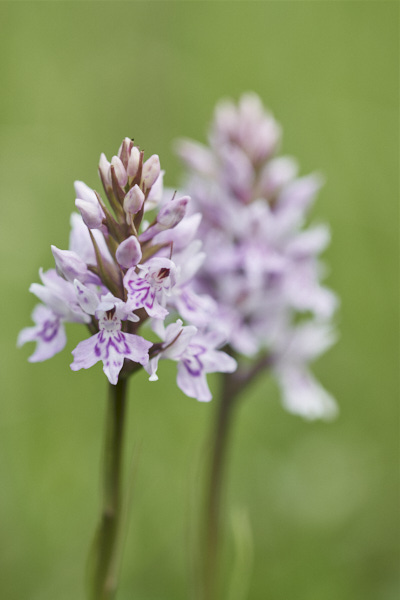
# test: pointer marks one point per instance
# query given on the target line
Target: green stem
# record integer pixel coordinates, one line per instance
(219, 448)
(233, 385)
(106, 546)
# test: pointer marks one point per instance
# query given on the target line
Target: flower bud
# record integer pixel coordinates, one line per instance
(151, 170)
(133, 201)
(277, 173)
(84, 192)
(225, 120)
(119, 171)
(92, 214)
(133, 161)
(70, 266)
(169, 216)
(156, 193)
(88, 205)
(129, 252)
(173, 212)
(125, 150)
(264, 141)
(104, 170)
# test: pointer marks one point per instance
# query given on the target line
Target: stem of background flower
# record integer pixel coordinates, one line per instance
(233, 385)
(212, 525)
(106, 551)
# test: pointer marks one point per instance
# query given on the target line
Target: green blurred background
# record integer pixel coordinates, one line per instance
(321, 498)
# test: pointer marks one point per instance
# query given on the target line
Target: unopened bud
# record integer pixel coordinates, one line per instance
(173, 212)
(69, 265)
(151, 170)
(133, 161)
(156, 193)
(104, 170)
(84, 192)
(169, 216)
(264, 140)
(119, 171)
(124, 151)
(88, 205)
(92, 214)
(277, 173)
(129, 252)
(133, 200)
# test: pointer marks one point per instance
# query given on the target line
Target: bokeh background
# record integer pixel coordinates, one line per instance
(320, 499)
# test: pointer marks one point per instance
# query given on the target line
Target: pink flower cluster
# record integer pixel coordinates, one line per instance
(123, 272)
(262, 263)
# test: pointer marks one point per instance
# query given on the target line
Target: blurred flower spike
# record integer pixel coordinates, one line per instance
(122, 272)
(262, 263)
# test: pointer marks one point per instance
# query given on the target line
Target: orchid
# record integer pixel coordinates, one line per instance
(261, 267)
(149, 287)
(60, 306)
(110, 345)
(196, 356)
(124, 278)
(261, 263)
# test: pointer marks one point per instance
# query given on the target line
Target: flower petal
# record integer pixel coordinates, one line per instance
(48, 333)
(193, 385)
(304, 396)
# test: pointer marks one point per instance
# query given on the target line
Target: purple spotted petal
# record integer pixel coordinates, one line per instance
(111, 347)
(85, 355)
(87, 299)
(48, 333)
(142, 294)
(192, 381)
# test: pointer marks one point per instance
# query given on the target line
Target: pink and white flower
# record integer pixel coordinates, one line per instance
(60, 305)
(150, 287)
(110, 345)
(48, 333)
(196, 355)
(261, 263)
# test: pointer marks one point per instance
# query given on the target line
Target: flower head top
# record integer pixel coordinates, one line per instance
(261, 262)
(122, 271)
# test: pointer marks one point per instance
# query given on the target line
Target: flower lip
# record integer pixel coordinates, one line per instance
(49, 330)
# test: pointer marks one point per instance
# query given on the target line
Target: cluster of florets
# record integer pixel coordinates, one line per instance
(122, 271)
(261, 262)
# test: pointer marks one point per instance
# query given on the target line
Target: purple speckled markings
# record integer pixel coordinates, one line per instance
(48, 333)
(49, 329)
(117, 341)
(192, 362)
(141, 294)
(110, 344)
